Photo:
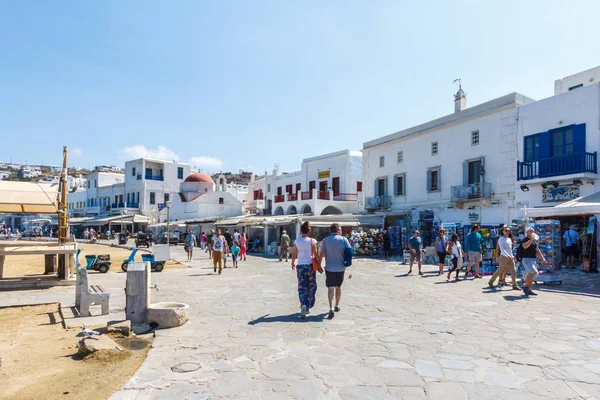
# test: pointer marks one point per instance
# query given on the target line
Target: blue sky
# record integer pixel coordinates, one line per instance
(230, 84)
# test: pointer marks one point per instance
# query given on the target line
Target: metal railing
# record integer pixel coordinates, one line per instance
(555, 166)
(474, 191)
(154, 178)
(307, 195)
(323, 195)
(345, 197)
(292, 197)
(378, 202)
(279, 199)
(133, 205)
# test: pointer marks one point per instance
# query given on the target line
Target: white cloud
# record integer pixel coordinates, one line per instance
(76, 152)
(141, 151)
(206, 163)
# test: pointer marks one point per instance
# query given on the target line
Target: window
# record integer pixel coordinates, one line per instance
(166, 197)
(400, 157)
(576, 87)
(288, 188)
(473, 172)
(381, 161)
(358, 187)
(179, 173)
(133, 171)
(335, 185)
(95, 183)
(399, 185)
(312, 185)
(434, 148)
(298, 187)
(434, 179)
(152, 198)
(148, 172)
(220, 200)
(138, 197)
(269, 188)
(532, 148)
(474, 138)
(128, 197)
(561, 142)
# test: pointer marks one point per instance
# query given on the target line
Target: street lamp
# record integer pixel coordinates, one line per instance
(168, 204)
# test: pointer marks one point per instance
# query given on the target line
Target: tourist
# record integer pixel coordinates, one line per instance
(86, 234)
(243, 247)
(386, 244)
(530, 251)
(305, 249)
(571, 246)
(203, 241)
(473, 245)
(506, 260)
(218, 248)
(235, 252)
(209, 238)
(458, 255)
(332, 250)
(236, 236)
(190, 242)
(415, 244)
(441, 243)
(228, 237)
(284, 246)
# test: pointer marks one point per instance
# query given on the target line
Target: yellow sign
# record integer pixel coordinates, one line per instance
(323, 174)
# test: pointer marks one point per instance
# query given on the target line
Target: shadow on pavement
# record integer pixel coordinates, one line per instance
(288, 318)
(514, 298)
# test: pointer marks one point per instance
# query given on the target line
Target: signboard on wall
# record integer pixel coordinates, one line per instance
(473, 217)
(561, 193)
(323, 174)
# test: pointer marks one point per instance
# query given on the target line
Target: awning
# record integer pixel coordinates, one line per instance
(585, 205)
(327, 224)
(228, 222)
(117, 220)
(28, 198)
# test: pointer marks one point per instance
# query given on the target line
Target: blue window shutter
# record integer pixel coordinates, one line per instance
(545, 166)
(385, 193)
(376, 188)
(579, 139)
(428, 180)
(465, 173)
(395, 185)
(482, 170)
(440, 178)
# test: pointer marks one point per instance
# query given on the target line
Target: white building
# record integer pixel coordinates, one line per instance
(327, 184)
(558, 141)
(576, 81)
(199, 197)
(456, 169)
(30, 172)
(77, 203)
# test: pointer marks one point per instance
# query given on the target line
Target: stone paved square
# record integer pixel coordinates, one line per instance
(397, 336)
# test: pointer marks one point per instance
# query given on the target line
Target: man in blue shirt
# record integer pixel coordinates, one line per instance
(332, 249)
(190, 242)
(571, 246)
(473, 245)
(415, 244)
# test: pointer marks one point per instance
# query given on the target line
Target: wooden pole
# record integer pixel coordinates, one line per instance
(63, 234)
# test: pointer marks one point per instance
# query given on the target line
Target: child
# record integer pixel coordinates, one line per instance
(235, 251)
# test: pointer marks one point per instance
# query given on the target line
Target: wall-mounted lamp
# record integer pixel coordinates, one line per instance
(525, 188)
(577, 182)
(544, 185)
(554, 183)
(591, 182)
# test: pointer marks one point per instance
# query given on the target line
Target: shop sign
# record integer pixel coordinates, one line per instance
(426, 215)
(473, 217)
(323, 174)
(561, 193)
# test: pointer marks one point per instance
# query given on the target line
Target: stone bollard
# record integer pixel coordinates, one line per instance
(137, 292)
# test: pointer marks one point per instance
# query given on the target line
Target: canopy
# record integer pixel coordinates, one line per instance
(585, 205)
(117, 220)
(28, 198)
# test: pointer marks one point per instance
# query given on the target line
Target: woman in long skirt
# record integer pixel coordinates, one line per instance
(305, 249)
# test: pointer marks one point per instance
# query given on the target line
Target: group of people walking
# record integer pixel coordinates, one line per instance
(527, 254)
(307, 260)
(219, 246)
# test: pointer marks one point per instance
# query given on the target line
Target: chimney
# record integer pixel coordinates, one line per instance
(460, 99)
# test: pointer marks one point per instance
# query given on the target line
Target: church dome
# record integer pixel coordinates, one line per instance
(199, 177)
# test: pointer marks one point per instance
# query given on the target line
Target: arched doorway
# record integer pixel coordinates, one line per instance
(292, 210)
(329, 210)
(306, 209)
(278, 211)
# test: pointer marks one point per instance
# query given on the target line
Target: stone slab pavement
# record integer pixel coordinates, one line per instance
(397, 336)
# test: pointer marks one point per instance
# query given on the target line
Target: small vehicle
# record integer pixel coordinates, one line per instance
(99, 263)
(144, 239)
(174, 238)
(157, 266)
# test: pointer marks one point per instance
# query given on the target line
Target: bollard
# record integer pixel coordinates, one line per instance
(137, 292)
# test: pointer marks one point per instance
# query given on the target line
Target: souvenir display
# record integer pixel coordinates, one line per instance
(367, 243)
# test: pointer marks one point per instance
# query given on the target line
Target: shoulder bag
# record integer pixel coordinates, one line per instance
(315, 264)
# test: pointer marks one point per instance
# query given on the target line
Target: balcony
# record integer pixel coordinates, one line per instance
(279, 198)
(306, 195)
(133, 205)
(378, 202)
(471, 192)
(113, 205)
(323, 195)
(556, 166)
(154, 178)
(292, 197)
(345, 197)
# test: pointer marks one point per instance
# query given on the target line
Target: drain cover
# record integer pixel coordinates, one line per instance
(186, 367)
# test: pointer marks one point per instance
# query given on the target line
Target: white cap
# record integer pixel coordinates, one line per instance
(529, 228)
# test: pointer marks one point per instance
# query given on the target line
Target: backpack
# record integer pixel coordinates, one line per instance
(519, 255)
(348, 253)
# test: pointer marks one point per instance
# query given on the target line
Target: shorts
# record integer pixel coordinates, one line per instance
(572, 251)
(234, 257)
(442, 256)
(529, 264)
(189, 249)
(475, 256)
(334, 279)
(416, 255)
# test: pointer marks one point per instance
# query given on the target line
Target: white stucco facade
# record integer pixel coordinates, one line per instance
(576, 81)
(330, 183)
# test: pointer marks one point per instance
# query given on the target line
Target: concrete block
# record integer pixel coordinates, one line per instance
(92, 344)
(122, 327)
(168, 315)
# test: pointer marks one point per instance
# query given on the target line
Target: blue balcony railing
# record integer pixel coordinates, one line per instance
(133, 205)
(471, 192)
(556, 166)
(121, 205)
(154, 178)
(378, 202)
(113, 205)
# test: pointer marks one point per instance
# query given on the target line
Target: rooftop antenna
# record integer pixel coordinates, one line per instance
(459, 85)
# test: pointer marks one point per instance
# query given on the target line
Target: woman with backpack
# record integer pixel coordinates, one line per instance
(458, 255)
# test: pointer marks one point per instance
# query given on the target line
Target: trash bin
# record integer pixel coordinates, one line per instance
(122, 239)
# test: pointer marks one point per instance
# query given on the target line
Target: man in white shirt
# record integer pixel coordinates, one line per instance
(219, 247)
